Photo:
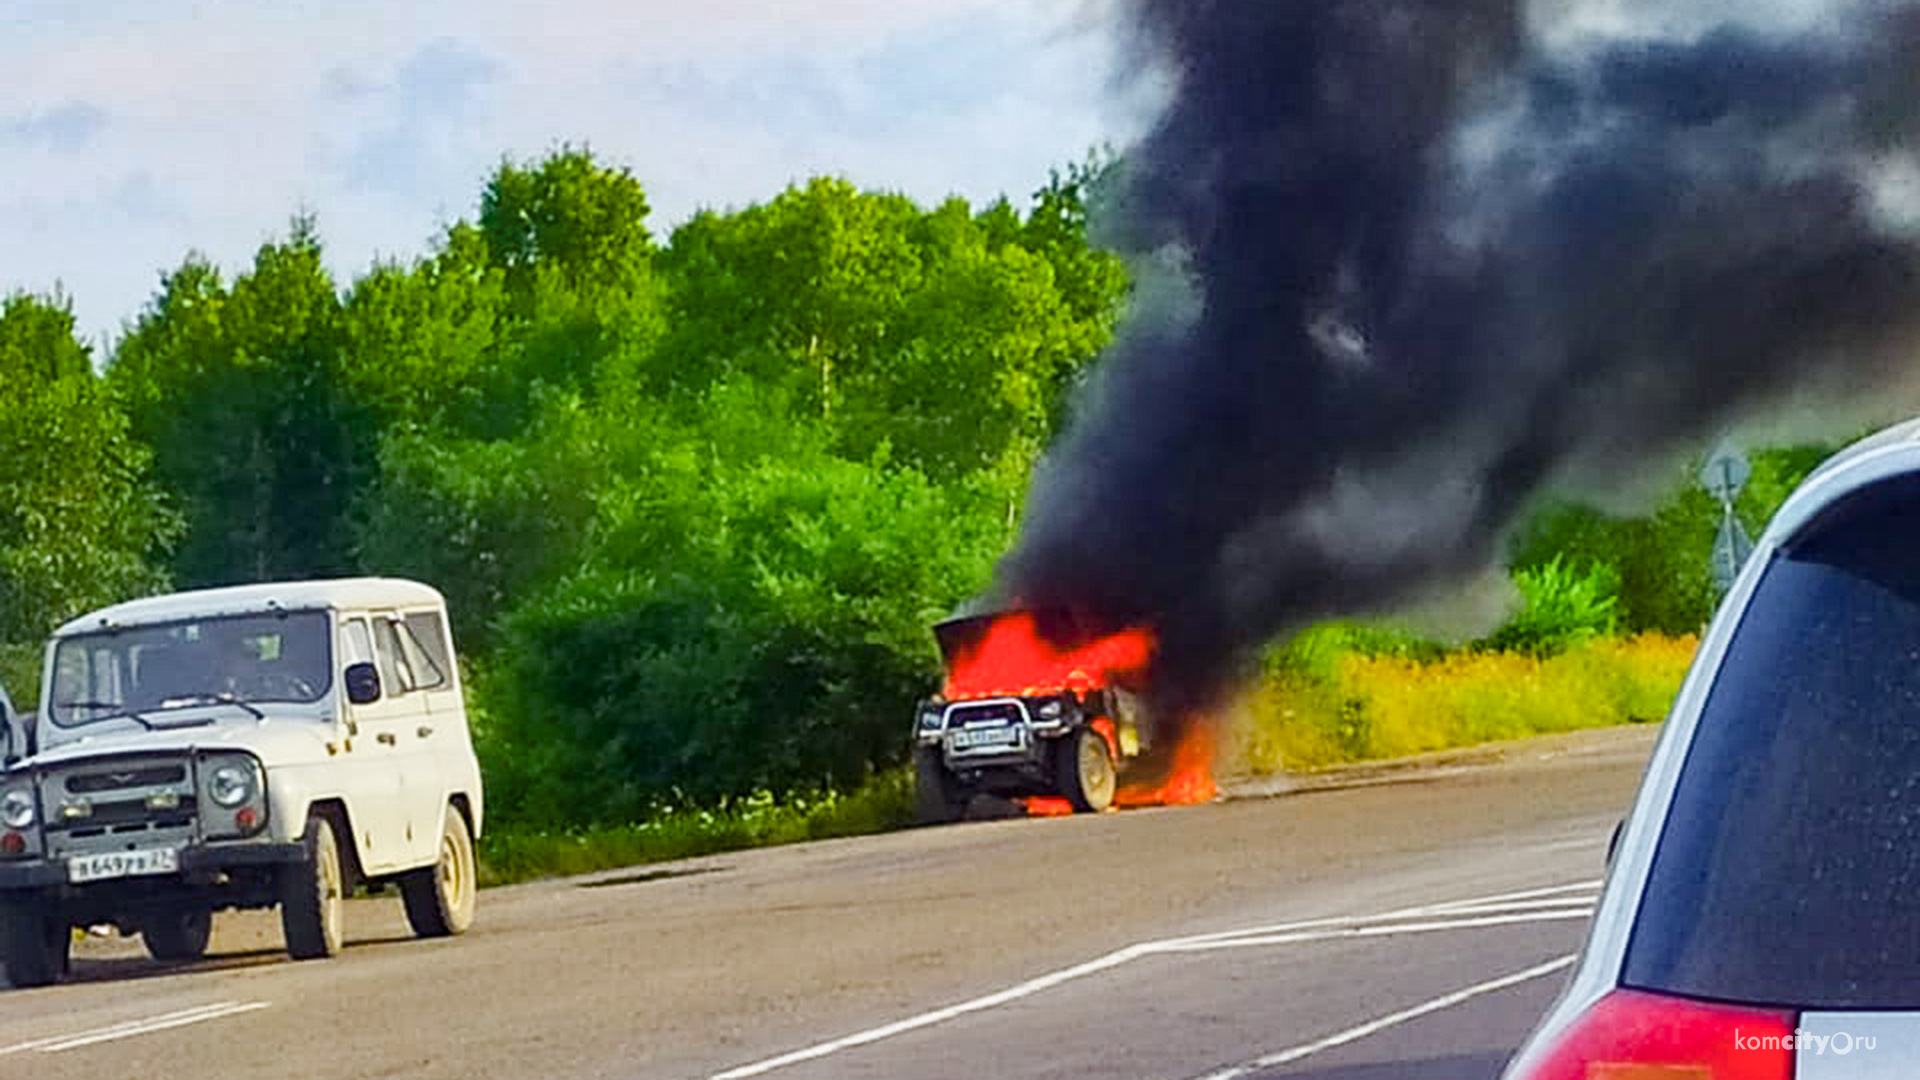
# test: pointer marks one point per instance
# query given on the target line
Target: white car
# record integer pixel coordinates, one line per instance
(1761, 917)
(242, 747)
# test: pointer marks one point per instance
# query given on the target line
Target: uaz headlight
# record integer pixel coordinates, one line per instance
(931, 717)
(16, 808)
(230, 785)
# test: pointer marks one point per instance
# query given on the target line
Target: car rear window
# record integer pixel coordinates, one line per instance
(1788, 871)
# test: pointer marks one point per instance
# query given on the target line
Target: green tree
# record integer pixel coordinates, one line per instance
(571, 238)
(485, 367)
(488, 521)
(239, 392)
(748, 621)
(942, 334)
(81, 522)
(1661, 559)
(421, 346)
(569, 214)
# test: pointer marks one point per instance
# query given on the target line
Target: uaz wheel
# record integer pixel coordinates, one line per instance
(440, 898)
(1084, 770)
(178, 935)
(313, 895)
(937, 797)
(34, 944)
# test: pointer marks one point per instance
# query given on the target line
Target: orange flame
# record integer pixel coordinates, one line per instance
(1188, 781)
(1011, 657)
(1014, 659)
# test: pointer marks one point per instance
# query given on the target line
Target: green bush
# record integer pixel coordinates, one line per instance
(755, 626)
(1662, 555)
(1561, 604)
(20, 673)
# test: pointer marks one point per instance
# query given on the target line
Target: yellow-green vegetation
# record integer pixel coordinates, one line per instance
(1351, 706)
(520, 854)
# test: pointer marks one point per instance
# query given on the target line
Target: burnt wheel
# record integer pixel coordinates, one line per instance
(35, 945)
(1084, 770)
(440, 898)
(313, 895)
(178, 936)
(937, 797)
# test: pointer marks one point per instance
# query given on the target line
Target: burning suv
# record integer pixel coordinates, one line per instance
(1021, 717)
(249, 747)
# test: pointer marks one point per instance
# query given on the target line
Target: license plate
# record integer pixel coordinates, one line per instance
(119, 864)
(978, 737)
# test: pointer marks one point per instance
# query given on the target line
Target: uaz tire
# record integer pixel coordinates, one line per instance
(35, 946)
(1084, 770)
(440, 898)
(937, 797)
(313, 896)
(178, 936)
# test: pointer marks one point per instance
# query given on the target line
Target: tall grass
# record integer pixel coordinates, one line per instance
(1352, 706)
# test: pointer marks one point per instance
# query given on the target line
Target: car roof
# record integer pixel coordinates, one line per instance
(1884, 454)
(1907, 431)
(363, 592)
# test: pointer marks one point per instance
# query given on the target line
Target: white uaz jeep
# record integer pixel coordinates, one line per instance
(240, 748)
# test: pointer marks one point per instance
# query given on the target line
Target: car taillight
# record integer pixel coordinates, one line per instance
(1634, 1035)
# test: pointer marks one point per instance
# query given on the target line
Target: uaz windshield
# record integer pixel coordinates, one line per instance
(236, 658)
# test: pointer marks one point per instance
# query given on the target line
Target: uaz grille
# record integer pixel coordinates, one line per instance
(106, 805)
(119, 779)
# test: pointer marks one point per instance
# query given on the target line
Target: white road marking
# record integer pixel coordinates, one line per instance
(938, 1016)
(1512, 897)
(1530, 906)
(1372, 1027)
(1470, 905)
(129, 1028)
(1548, 904)
(1387, 930)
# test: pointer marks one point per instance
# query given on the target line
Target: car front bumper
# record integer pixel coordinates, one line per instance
(197, 861)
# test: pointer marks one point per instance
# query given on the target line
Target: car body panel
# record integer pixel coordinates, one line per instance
(1856, 1046)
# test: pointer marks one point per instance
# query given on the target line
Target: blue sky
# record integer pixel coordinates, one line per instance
(133, 131)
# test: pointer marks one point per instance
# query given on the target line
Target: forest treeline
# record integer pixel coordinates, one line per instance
(694, 499)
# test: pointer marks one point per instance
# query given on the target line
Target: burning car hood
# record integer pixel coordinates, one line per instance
(1022, 652)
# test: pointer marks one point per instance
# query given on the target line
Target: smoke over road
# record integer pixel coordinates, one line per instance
(1442, 255)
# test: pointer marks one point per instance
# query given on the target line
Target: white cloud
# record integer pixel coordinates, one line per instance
(182, 125)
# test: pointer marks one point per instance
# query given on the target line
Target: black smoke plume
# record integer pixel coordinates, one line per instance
(1442, 255)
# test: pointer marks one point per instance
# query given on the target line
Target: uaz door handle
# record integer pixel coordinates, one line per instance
(423, 731)
(385, 737)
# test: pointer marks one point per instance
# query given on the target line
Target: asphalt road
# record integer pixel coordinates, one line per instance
(1410, 925)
